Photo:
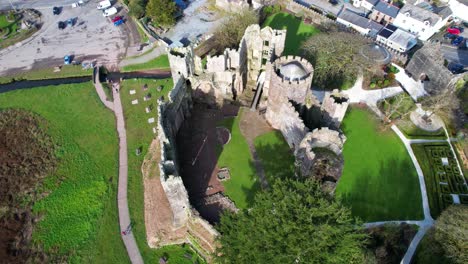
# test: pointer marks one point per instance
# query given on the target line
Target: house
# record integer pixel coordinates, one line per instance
(361, 24)
(422, 22)
(384, 12)
(459, 9)
(366, 4)
(396, 38)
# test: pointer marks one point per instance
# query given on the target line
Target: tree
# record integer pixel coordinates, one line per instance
(443, 104)
(231, 31)
(137, 8)
(336, 56)
(291, 222)
(396, 107)
(451, 231)
(162, 11)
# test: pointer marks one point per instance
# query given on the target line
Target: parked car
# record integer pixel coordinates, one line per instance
(117, 18)
(56, 10)
(71, 22)
(62, 25)
(455, 68)
(67, 59)
(333, 2)
(104, 4)
(449, 36)
(118, 22)
(459, 28)
(453, 30)
(110, 11)
(457, 41)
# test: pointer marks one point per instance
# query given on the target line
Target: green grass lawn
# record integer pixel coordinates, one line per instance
(48, 73)
(7, 26)
(79, 214)
(161, 62)
(276, 156)
(379, 181)
(140, 134)
(412, 131)
(297, 33)
(235, 155)
(10, 35)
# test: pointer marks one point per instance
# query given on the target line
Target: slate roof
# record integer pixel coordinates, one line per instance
(420, 14)
(387, 31)
(358, 20)
(374, 2)
(387, 9)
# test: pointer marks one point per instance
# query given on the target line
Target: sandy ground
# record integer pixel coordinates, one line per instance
(92, 37)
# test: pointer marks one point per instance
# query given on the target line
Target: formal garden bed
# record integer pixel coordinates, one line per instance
(382, 79)
(442, 175)
(379, 181)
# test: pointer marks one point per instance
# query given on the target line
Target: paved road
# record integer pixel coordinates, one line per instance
(36, 4)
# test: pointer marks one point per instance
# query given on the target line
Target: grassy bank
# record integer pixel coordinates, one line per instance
(48, 73)
(79, 214)
(139, 135)
(161, 62)
(276, 156)
(379, 181)
(235, 155)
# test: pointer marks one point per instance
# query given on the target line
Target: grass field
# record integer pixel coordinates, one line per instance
(140, 135)
(379, 181)
(297, 33)
(235, 155)
(276, 156)
(80, 211)
(48, 73)
(161, 62)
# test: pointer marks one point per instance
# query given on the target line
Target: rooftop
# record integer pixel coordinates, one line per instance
(387, 9)
(358, 20)
(387, 31)
(293, 71)
(420, 14)
(403, 38)
(374, 2)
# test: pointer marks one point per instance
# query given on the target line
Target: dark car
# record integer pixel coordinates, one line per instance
(333, 2)
(459, 28)
(71, 22)
(455, 68)
(457, 41)
(62, 25)
(449, 36)
(56, 10)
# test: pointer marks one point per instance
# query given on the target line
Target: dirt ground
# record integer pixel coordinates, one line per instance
(93, 37)
(198, 149)
(158, 214)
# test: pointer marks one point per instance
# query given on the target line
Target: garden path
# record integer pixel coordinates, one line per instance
(153, 54)
(414, 88)
(122, 202)
(357, 94)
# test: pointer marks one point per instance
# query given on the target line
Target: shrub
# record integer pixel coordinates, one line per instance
(386, 82)
(372, 85)
(391, 76)
(331, 16)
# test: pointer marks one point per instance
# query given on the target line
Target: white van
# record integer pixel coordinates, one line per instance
(110, 11)
(104, 4)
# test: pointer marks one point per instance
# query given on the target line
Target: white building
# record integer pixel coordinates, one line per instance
(423, 23)
(396, 38)
(361, 24)
(366, 4)
(459, 9)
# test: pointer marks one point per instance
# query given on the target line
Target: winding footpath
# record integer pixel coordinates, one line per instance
(122, 202)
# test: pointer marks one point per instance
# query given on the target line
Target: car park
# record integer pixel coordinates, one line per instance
(457, 41)
(61, 25)
(109, 12)
(56, 10)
